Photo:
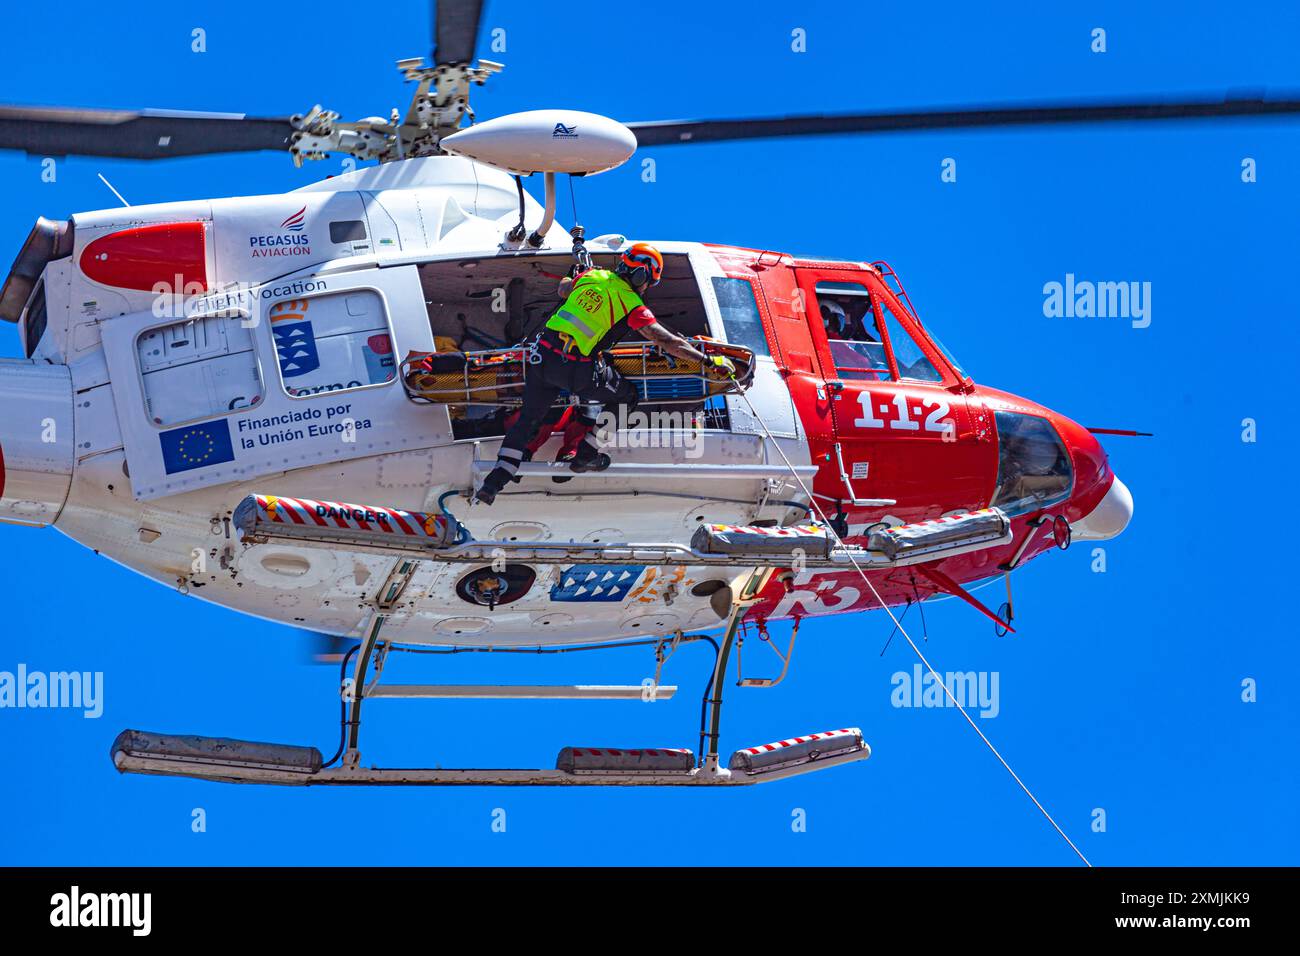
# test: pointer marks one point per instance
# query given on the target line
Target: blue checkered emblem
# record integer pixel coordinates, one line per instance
(295, 344)
(596, 582)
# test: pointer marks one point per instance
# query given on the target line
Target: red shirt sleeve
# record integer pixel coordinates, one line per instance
(640, 317)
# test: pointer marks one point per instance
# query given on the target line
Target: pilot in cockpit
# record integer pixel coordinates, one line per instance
(843, 326)
(856, 352)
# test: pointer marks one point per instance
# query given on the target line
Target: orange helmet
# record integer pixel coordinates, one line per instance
(641, 255)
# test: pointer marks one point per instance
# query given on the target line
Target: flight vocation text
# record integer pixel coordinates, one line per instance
(336, 420)
(183, 300)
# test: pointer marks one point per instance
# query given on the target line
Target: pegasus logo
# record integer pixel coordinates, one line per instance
(563, 132)
(295, 222)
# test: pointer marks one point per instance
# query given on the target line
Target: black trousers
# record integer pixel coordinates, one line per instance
(596, 384)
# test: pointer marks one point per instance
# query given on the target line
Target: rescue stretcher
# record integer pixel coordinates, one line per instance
(497, 376)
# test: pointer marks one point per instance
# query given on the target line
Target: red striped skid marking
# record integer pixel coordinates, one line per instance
(293, 509)
(396, 517)
(946, 519)
(339, 520)
(263, 511)
(304, 512)
(767, 748)
(309, 510)
(298, 510)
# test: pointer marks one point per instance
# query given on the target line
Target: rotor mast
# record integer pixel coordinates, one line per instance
(440, 104)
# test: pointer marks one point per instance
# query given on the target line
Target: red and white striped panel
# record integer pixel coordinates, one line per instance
(945, 520)
(339, 515)
(768, 748)
(794, 531)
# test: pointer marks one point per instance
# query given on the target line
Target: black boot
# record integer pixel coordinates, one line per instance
(563, 459)
(589, 461)
(496, 480)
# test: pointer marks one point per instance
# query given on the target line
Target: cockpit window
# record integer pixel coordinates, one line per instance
(946, 354)
(852, 333)
(912, 362)
(1033, 464)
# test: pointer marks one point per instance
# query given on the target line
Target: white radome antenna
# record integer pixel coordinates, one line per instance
(547, 142)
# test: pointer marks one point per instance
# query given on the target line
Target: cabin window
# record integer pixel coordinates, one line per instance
(1034, 468)
(347, 230)
(332, 343)
(740, 317)
(852, 333)
(912, 361)
(198, 368)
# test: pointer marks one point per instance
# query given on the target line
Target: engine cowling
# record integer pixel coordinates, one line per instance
(37, 452)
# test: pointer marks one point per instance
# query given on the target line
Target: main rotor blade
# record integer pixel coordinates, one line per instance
(697, 131)
(455, 30)
(146, 134)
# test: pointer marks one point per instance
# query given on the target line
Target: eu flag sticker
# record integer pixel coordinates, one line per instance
(196, 446)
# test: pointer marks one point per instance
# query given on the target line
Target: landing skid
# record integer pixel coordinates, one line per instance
(136, 752)
(238, 761)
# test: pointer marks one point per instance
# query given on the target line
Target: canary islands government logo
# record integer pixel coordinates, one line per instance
(295, 342)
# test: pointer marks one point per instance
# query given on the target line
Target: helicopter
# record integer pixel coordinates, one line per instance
(225, 396)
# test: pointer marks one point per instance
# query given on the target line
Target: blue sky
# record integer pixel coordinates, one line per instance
(1121, 691)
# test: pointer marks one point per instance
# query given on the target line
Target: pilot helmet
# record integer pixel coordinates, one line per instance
(834, 317)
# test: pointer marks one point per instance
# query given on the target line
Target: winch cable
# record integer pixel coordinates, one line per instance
(902, 630)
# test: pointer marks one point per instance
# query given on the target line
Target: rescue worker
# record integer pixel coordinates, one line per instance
(599, 308)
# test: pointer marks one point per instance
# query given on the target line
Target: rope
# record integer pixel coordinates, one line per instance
(898, 624)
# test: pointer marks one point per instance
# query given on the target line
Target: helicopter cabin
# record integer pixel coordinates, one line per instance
(494, 302)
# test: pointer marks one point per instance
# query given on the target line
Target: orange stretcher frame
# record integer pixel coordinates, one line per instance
(497, 376)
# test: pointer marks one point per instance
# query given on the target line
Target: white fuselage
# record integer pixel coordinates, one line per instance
(157, 383)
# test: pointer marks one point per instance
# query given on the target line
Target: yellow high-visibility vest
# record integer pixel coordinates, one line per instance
(598, 301)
